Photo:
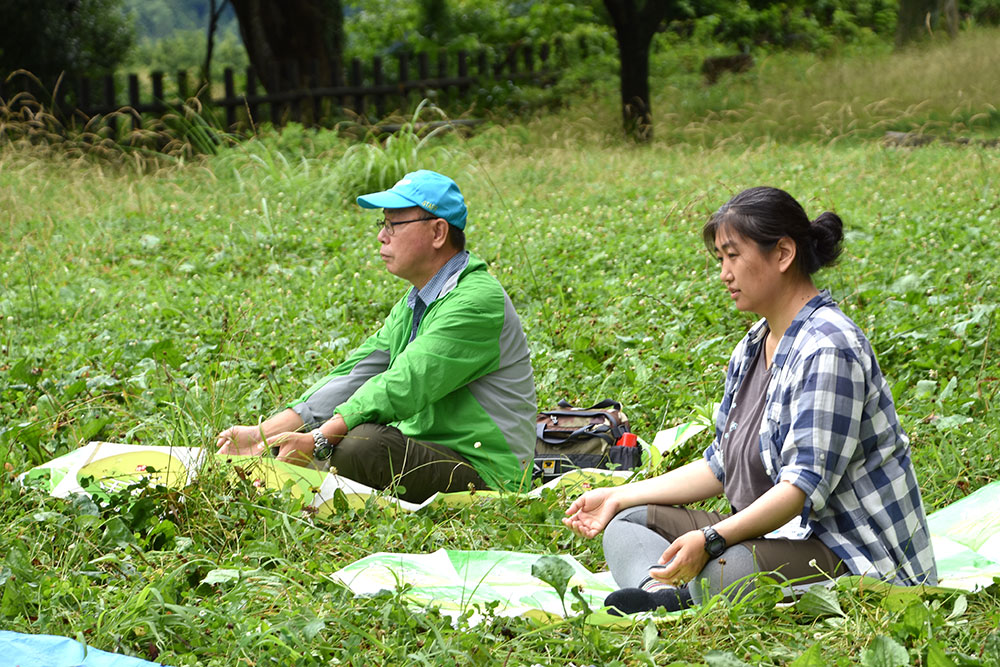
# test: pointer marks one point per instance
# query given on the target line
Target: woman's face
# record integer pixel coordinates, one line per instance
(750, 274)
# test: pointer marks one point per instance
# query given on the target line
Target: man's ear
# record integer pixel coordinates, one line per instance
(440, 233)
(787, 251)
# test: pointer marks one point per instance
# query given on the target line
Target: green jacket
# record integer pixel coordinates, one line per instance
(465, 381)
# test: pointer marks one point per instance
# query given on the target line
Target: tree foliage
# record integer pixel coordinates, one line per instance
(49, 37)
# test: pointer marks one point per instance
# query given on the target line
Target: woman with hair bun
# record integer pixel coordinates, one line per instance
(808, 449)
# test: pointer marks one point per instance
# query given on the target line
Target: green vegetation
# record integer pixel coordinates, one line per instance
(53, 37)
(155, 301)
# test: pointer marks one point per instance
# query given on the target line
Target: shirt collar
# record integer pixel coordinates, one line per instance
(821, 300)
(432, 290)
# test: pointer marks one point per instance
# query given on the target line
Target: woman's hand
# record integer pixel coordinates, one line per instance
(683, 559)
(240, 441)
(591, 512)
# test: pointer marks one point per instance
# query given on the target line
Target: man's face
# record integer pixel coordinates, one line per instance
(408, 251)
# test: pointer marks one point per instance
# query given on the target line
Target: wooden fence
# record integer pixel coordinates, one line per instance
(299, 96)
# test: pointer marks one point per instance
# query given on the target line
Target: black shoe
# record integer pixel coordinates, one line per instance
(634, 600)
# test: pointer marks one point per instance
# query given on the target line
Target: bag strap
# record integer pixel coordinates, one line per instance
(583, 413)
(602, 431)
(606, 403)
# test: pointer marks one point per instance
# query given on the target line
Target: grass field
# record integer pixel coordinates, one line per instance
(155, 303)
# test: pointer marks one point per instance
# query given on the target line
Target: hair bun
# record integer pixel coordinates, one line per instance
(828, 233)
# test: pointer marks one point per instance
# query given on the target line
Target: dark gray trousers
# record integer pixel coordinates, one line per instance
(382, 457)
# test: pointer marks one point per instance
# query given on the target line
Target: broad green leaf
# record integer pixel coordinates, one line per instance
(83, 505)
(25, 372)
(50, 517)
(554, 571)
(584, 606)
(915, 621)
(936, 657)
(961, 605)
(899, 597)
(117, 533)
(313, 628)
(819, 601)
(951, 421)
(260, 549)
(885, 652)
(92, 427)
(925, 388)
(222, 576)
(813, 657)
(340, 503)
(949, 389)
(650, 636)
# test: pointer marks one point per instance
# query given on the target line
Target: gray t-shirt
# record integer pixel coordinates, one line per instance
(745, 479)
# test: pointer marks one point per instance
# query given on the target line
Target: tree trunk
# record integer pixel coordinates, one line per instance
(917, 17)
(304, 32)
(635, 22)
(215, 9)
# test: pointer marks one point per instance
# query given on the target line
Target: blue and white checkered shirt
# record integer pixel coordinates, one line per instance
(418, 300)
(830, 428)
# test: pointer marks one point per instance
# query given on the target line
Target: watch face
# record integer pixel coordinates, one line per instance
(716, 547)
(715, 544)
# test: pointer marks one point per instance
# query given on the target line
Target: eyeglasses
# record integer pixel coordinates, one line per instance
(389, 226)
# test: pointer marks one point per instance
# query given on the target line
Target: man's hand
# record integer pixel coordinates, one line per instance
(294, 447)
(240, 441)
(591, 512)
(685, 558)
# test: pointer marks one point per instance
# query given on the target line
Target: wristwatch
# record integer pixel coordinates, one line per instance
(715, 544)
(323, 449)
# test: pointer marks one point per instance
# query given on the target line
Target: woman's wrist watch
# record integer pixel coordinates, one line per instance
(715, 544)
(322, 449)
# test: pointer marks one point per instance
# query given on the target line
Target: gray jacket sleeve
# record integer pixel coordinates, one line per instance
(319, 407)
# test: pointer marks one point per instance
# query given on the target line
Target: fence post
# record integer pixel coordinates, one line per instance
(182, 86)
(483, 64)
(337, 80)
(295, 87)
(359, 95)
(133, 100)
(229, 102)
(444, 90)
(312, 82)
(463, 71)
(404, 78)
(83, 96)
(109, 102)
(378, 80)
(274, 75)
(158, 103)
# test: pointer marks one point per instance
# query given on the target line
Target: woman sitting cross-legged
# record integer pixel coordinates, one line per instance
(806, 441)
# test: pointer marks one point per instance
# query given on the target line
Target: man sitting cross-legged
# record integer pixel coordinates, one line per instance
(441, 397)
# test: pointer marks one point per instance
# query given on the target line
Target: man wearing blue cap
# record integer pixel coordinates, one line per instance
(441, 398)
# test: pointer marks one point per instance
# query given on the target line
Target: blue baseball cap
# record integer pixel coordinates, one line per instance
(435, 193)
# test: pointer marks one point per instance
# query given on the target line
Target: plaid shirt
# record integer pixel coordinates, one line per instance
(830, 428)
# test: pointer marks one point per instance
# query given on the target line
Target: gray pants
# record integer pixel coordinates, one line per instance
(382, 457)
(638, 536)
